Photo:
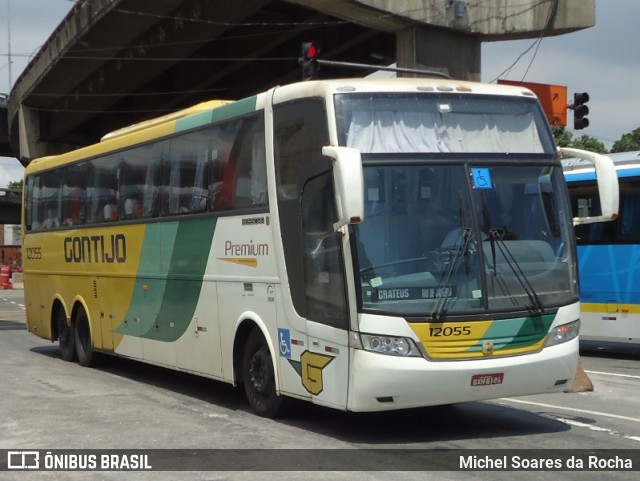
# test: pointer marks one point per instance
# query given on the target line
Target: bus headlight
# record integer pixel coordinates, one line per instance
(563, 333)
(393, 346)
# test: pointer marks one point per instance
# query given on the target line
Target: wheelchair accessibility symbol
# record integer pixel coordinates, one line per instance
(284, 343)
(481, 178)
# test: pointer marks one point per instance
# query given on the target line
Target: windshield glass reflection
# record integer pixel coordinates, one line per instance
(451, 239)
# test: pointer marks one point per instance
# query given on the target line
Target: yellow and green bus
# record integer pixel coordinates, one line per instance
(363, 244)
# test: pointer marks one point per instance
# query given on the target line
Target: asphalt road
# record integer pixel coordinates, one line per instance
(49, 404)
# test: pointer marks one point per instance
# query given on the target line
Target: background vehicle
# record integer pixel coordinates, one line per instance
(608, 252)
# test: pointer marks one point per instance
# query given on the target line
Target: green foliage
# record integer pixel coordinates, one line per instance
(628, 142)
(561, 136)
(564, 138)
(15, 185)
(586, 142)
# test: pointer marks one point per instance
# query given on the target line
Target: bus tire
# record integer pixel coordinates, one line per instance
(66, 337)
(84, 344)
(258, 377)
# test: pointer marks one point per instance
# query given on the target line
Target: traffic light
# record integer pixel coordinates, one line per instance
(309, 61)
(580, 111)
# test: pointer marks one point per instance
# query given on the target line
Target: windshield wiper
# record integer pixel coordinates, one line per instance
(461, 251)
(497, 276)
(495, 237)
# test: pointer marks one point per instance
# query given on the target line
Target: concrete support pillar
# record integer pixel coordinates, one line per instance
(28, 133)
(29, 137)
(452, 52)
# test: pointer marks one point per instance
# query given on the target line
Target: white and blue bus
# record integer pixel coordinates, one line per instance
(608, 252)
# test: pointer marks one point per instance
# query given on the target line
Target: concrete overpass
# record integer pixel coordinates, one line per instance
(10, 206)
(111, 63)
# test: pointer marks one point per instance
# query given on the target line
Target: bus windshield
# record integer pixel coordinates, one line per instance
(436, 241)
(459, 233)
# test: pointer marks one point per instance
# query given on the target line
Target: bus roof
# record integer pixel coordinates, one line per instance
(373, 84)
(211, 104)
(627, 165)
(208, 112)
(185, 119)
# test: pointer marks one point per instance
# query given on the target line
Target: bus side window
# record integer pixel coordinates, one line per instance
(74, 189)
(227, 145)
(32, 220)
(186, 174)
(250, 168)
(49, 201)
(300, 133)
(151, 188)
(630, 215)
(136, 165)
(224, 190)
(102, 189)
(323, 273)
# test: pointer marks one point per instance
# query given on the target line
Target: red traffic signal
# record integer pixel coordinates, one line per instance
(309, 51)
(309, 61)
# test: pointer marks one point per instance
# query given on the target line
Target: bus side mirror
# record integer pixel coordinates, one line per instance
(608, 188)
(348, 181)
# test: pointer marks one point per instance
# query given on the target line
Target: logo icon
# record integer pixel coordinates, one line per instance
(284, 342)
(23, 460)
(309, 368)
(487, 348)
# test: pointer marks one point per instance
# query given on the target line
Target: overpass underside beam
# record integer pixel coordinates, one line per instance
(453, 53)
(111, 63)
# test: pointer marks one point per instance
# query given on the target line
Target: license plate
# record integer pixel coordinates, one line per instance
(487, 379)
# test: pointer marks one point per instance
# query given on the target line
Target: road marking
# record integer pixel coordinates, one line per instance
(573, 422)
(21, 306)
(582, 411)
(613, 374)
(591, 427)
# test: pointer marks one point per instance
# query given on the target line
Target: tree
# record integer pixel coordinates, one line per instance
(586, 142)
(15, 185)
(561, 136)
(564, 138)
(628, 142)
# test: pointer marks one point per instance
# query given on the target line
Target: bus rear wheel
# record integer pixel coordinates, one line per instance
(84, 345)
(258, 377)
(66, 337)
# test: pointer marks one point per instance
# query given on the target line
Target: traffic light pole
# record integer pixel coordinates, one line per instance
(311, 65)
(427, 73)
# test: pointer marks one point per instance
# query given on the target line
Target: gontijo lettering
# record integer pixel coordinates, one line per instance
(96, 248)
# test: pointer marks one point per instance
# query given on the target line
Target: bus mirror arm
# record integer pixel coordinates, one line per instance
(348, 181)
(608, 188)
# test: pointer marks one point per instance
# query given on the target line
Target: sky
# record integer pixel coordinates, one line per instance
(603, 60)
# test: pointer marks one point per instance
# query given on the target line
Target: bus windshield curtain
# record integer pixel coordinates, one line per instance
(381, 131)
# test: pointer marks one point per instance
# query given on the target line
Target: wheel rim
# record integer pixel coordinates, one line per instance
(260, 371)
(83, 333)
(64, 331)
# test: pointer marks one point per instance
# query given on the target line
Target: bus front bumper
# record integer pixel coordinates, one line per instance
(382, 382)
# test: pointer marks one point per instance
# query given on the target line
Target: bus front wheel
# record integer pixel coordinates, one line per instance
(84, 346)
(66, 337)
(258, 377)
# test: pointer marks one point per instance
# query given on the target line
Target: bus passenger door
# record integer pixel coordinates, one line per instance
(325, 366)
(313, 252)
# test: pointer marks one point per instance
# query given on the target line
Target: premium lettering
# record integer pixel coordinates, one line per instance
(96, 249)
(250, 249)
